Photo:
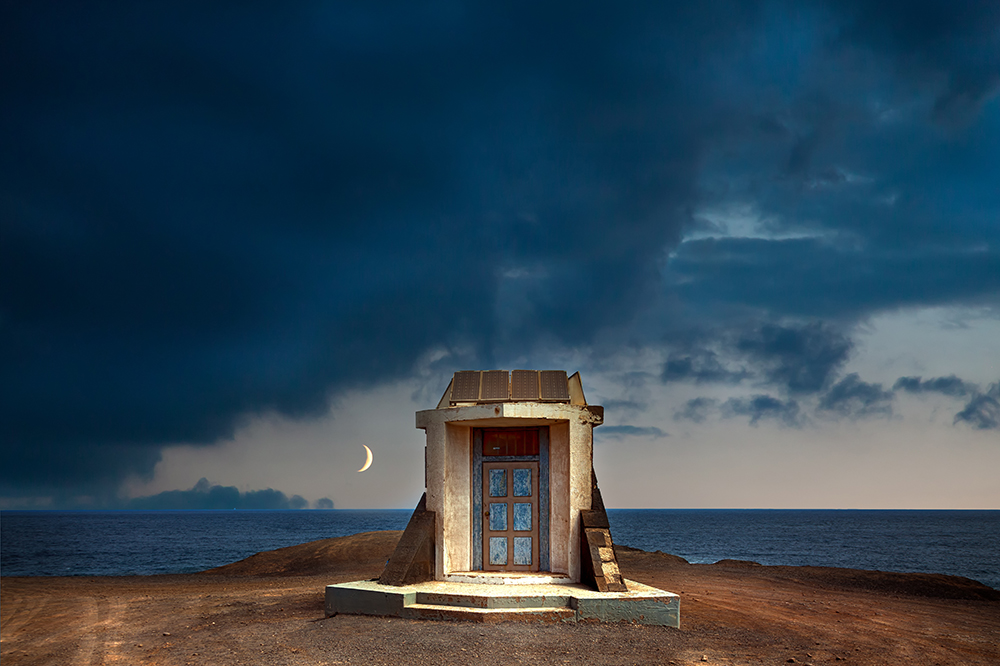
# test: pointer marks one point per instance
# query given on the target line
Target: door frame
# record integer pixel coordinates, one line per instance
(543, 493)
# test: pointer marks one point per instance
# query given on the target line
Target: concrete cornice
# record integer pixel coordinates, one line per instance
(512, 414)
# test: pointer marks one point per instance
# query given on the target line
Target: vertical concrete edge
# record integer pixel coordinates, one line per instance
(351, 601)
(654, 611)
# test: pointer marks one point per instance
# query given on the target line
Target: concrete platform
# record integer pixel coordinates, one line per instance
(506, 578)
(490, 602)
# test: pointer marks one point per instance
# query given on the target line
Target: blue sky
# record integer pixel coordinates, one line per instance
(239, 241)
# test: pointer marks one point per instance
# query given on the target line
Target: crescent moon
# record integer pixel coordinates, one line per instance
(368, 463)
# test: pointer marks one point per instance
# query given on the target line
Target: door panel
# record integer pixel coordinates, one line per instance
(523, 551)
(522, 516)
(498, 483)
(510, 528)
(522, 482)
(498, 516)
(498, 551)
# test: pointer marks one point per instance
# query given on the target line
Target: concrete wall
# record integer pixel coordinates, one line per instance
(560, 519)
(571, 456)
(435, 474)
(581, 466)
(457, 513)
(449, 494)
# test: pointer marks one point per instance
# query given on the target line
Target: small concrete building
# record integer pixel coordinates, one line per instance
(509, 468)
(512, 521)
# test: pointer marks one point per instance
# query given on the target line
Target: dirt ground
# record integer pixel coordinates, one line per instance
(268, 610)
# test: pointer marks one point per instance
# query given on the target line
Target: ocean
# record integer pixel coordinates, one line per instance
(119, 543)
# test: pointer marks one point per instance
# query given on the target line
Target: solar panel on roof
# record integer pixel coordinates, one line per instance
(553, 385)
(496, 385)
(465, 386)
(524, 385)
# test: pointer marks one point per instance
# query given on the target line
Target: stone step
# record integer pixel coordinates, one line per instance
(420, 611)
(488, 603)
(493, 601)
(507, 578)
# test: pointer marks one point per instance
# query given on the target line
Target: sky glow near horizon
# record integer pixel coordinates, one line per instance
(238, 243)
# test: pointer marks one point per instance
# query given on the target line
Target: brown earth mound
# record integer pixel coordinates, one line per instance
(268, 609)
(936, 586)
(365, 551)
(737, 564)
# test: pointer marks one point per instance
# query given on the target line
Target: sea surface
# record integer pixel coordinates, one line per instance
(116, 543)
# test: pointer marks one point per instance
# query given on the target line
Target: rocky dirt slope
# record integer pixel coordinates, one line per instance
(268, 610)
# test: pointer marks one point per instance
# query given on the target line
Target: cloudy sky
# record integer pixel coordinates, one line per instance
(238, 241)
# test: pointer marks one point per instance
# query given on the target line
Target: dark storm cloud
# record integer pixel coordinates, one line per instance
(700, 366)
(920, 37)
(951, 386)
(632, 431)
(983, 410)
(205, 496)
(696, 409)
(797, 358)
(862, 204)
(801, 359)
(215, 211)
(759, 407)
(812, 278)
(210, 211)
(856, 398)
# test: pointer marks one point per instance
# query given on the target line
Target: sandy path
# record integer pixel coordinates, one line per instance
(269, 610)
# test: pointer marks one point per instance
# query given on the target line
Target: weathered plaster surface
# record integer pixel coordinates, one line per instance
(494, 415)
(457, 512)
(581, 465)
(560, 519)
(435, 474)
